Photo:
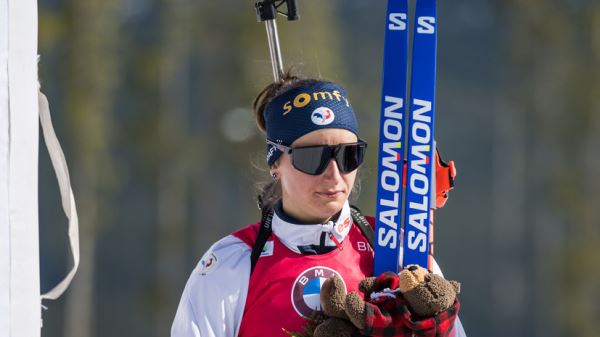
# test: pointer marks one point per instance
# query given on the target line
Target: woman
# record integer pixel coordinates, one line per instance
(313, 152)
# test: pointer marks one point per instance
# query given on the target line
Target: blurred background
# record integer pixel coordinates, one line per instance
(151, 98)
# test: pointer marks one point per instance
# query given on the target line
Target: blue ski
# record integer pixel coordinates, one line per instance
(421, 149)
(388, 237)
(420, 141)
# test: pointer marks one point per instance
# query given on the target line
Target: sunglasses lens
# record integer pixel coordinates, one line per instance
(314, 159)
(349, 157)
(311, 160)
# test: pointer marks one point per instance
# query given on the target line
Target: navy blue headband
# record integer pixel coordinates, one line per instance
(298, 111)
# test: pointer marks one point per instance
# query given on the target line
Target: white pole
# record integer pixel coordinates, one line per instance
(19, 244)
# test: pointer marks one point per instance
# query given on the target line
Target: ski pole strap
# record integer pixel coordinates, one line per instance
(420, 137)
(445, 173)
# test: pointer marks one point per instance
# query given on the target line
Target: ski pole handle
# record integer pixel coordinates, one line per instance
(266, 10)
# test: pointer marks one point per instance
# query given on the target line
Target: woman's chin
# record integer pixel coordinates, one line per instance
(331, 207)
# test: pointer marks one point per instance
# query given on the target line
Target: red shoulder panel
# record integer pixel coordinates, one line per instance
(247, 234)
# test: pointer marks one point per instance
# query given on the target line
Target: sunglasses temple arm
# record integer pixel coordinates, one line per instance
(280, 147)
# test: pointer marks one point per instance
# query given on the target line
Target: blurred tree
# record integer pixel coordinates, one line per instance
(175, 149)
(183, 68)
(548, 210)
(91, 72)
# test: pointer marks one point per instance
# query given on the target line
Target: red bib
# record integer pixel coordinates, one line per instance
(285, 286)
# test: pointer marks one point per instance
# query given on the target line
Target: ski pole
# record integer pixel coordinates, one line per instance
(266, 11)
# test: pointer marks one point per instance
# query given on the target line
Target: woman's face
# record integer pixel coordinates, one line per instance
(315, 199)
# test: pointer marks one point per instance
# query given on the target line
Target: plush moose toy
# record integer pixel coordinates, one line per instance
(412, 303)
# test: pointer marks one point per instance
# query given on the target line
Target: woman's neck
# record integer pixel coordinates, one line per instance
(289, 216)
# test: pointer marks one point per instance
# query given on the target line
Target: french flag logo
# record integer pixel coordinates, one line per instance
(322, 116)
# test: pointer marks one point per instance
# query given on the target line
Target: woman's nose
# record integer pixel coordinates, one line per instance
(332, 170)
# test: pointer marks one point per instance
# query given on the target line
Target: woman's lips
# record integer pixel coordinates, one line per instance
(330, 194)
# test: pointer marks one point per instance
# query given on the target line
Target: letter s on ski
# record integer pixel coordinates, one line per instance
(426, 25)
(419, 241)
(397, 21)
(383, 238)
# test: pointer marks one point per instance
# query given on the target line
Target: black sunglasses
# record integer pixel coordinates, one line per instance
(313, 160)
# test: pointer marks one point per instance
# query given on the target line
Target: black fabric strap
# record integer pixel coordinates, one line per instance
(362, 223)
(264, 232)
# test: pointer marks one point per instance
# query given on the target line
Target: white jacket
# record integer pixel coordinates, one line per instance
(214, 298)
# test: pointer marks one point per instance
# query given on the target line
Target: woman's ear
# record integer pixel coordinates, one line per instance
(274, 172)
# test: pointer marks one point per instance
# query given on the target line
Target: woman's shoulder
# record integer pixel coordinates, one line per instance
(219, 280)
(247, 234)
(229, 253)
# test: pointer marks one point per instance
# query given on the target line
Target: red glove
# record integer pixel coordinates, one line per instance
(388, 314)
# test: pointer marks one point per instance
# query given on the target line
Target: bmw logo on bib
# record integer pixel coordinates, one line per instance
(322, 116)
(306, 292)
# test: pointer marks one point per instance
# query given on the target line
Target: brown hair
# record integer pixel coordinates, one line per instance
(270, 192)
(288, 81)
